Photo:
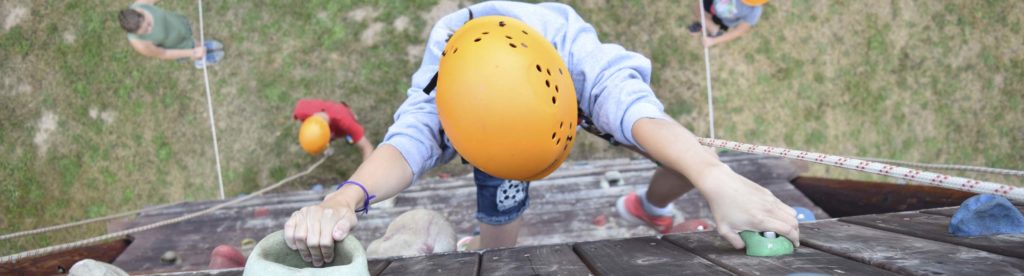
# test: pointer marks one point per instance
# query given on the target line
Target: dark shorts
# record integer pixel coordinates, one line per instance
(714, 18)
(499, 201)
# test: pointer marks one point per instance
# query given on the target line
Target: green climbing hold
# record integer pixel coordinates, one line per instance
(769, 245)
(273, 257)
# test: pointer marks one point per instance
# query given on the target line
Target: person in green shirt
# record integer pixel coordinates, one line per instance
(155, 32)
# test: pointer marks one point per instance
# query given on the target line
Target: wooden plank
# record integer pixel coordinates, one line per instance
(643, 256)
(454, 264)
(841, 198)
(806, 260)
(377, 266)
(949, 211)
(61, 262)
(537, 260)
(935, 227)
(211, 272)
(904, 254)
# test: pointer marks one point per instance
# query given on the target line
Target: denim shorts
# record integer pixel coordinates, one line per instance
(499, 201)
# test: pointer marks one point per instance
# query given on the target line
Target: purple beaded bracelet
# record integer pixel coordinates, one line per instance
(366, 203)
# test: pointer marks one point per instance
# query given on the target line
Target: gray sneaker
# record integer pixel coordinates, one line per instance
(211, 58)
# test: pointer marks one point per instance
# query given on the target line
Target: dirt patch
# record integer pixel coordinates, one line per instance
(443, 7)
(401, 24)
(415, 52)
(107, 116)
(363, 14)
(69, 37)
(44, 129)
(371, 34)
(15, 16)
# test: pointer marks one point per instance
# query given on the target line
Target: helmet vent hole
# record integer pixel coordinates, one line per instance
(523, 44)
(556, 88)
(552, 136)
(552, 99)
(444, 53)
(547, 83)
(455, 51)
(549, 71)
(568, 139)
(525, 33)
(559, 141)
(513, 45)
(560, 71)
(501, 23)
(538, 67)
(477, 39)
(561, 124)
(507, 36)
(486, 33)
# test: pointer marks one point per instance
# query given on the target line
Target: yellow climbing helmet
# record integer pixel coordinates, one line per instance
(314, 135)
(755, 2)
(505, 99)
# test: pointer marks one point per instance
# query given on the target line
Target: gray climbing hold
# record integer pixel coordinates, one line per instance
(612, 179)
(273, 257)
(169, 257)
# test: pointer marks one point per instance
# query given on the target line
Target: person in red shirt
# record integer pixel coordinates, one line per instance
(342, 122)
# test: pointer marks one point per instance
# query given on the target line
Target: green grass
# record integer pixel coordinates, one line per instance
(913, 80)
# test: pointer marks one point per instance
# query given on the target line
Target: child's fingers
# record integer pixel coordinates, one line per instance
(289, 231)
(299, 237)
(313, 237)
(325, 241)
(731, 236)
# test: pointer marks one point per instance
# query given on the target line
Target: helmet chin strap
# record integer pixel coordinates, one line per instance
(433, 81)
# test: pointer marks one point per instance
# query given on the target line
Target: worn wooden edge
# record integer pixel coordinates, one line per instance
(554, 259)
(436, 264)
(903, 254)
(209, 272)
(936, 228)
(611, 257)
(61, 262)
(711, 247)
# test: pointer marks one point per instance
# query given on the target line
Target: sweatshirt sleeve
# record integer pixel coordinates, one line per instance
(416, 132)
(613, 84)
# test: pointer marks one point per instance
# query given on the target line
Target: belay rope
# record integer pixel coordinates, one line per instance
(119, 234)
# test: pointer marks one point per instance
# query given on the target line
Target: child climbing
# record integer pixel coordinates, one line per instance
(729, 19)
(324, 121)
(155, 32)
(507, 78)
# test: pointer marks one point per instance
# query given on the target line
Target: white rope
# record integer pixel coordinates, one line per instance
(923, 177)
(94, 240)
(966, 168)
(209, 103)
(707, 70)
(77, 223)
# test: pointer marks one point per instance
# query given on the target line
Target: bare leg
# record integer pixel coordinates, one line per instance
(666, 186)
(495, 236)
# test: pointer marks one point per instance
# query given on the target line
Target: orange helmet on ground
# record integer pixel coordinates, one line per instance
(506, 99)
(314, 135)
(755, 2)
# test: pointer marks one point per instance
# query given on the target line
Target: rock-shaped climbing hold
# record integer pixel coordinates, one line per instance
(983, 215)
(803, 214)
(169, 257)
(612, 179)
(766, 244)
(273, 257)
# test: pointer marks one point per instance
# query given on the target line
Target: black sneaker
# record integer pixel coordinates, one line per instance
(694, 27)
